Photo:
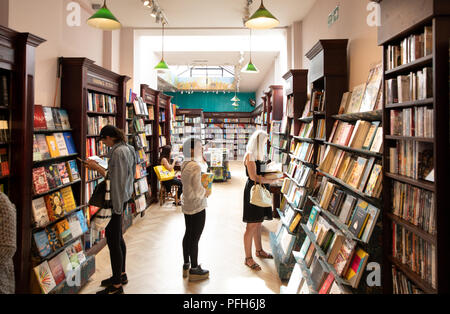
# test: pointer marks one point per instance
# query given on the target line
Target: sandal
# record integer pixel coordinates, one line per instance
(262, 254)
(254, 266)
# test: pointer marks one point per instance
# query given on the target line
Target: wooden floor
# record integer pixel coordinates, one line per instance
(154, 250)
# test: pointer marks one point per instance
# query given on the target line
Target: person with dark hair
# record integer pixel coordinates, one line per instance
(165, 161)
(194, 207)
(121, 172)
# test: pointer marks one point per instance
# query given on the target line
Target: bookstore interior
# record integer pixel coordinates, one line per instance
(353, 96)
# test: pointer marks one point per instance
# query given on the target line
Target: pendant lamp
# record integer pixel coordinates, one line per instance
(262, 19)
(104, 19)
(162, 65)
(235, 104)
(235, 98)
(250, 67)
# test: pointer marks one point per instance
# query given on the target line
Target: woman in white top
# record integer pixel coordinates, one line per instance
(193, 206)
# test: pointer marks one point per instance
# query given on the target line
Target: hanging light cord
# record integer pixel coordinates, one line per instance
(162, 40)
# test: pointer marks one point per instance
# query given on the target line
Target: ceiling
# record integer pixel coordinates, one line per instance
(205, 13)
(249, 82)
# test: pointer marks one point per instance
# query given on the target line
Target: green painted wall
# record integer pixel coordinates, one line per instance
(212, 102)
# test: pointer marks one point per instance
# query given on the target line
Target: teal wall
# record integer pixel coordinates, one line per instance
(212, 102)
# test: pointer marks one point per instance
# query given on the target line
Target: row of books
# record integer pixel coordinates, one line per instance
(4, 90)
(357, 214)
(299, 172)
(291, 217)
(402, 285)
(417, 121)
(277, 155)
(412, 159)
(413, 251)
(131, 112)
(50, 118)
(92, 237)
(5, 135)
(54, 237)
(50, 274)
(364, 97)
(4, 162)
(52, 207)
(95, 148)
(195, 120)
(52, 176)
(361, 135)
(363, 174)
(96, 124)
(141, 186)
(412, 87)
(140, 203)
(410, 49)
(317, 102)
(304, 151)
(341, 253)
(414, 205)
(101, 103)
(89, 188)
(141, 171)
(52, 146)
(162, 116)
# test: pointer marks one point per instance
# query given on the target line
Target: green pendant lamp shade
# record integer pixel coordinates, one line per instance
(104, 19)
(235, 104)
(235, 98)
(262, 19)
(250, 68)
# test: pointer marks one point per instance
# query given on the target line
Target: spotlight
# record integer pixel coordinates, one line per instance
(154, 11)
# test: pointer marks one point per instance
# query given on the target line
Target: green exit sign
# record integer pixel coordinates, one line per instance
(333, 16)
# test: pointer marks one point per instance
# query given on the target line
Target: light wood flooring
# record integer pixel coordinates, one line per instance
(154, 249)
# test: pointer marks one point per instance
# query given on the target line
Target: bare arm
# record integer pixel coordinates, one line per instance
(166, 164)
(251, 168)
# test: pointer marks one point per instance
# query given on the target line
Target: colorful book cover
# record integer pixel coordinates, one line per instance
(56, 118)
(63, 173)
(44, 277)
(43, 147)
(343, 257)
(37, 156)
(55, 206)
(41, 241)
(39, 118)
(305, 247)
(65, 263)
(356, 267)
(312, 217)
(207, 181)
(69, 143)
(64, 232)
(57, 270)
(80, 253)
(40, 183)
(68, 199)
(61, 144)
(74, 226)
(73, 256)
(372, 183)
(359, 219)
(326, 286)
(65, 123)
(53, 177)
(48, 114)
(82, 220)
(72, 168)
(53, 238)
(52, 146)
(40, 215)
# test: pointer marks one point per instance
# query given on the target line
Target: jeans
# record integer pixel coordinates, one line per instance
(117, 248)
(194, 228)
(177, 182)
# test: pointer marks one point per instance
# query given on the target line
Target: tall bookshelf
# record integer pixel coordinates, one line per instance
(17, 70)
(165, 116)
(83, 84)
(417, 15)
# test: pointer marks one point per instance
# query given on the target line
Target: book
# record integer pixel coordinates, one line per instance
(39, 210)
(357, 172)
(357, 267)
(79, 249)
(52, 146)
(372, 90)
(372, 188)
(366, 173)
(42, 146)
(294, 281)
(40, 184)
(57, 270)
(41, 242)
(56, 119)
(373, 214)
(312, 217)
(347, 208)
(83, 222)
(377, 143)
(75, 226)
(69, 143)
(39, 118)
(346, 97)
(326, 286)
(305, 247)
(55, 206)
(61, 144)
(370, 135)
(65, 264)
(64, 231)
(72, 169)
(295, 222)
(357, 96)
(63, 173)
(336, 202)
(53, 238)
(48, 115)
(68, 199)
(359, 219)
(344, 256)
(335, 247)
(310, 255)
(53, 179)
(73, 256)
(65, 123)
(44, 277)
(207, 181)
(318, 272)
(37, 156)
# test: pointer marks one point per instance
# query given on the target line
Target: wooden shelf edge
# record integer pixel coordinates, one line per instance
(421, 102)
(418, 183)
(415, 64)
(422, 284)
(355, 150)
(56, 189)
(305, 273)
(413, 228)
(410, 138)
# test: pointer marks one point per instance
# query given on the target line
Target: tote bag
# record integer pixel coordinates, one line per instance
(101, 198)
(163, 174)
(260, 196)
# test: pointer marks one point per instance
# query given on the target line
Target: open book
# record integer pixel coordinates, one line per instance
(100, 161)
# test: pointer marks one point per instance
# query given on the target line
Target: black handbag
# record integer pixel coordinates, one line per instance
(98, 196)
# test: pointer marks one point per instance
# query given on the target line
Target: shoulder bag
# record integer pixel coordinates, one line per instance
(260, 196)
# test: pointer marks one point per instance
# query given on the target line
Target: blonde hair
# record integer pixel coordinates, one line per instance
(255, 145)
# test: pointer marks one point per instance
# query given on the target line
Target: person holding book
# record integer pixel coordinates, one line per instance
(8, 244)
(121, 171)
(194, 203)
(165, 161)
(255, 215)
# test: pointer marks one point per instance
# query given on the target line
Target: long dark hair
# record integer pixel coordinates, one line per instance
(120, 136)
(165, 153)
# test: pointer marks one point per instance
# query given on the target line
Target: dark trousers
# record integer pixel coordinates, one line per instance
(177, 182)
(194, 228)
(117, 248)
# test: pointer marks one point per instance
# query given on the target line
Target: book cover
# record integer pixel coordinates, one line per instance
(72, 169)
(371, 135)
(374, 179)
(65, 263)
(357, 172)
(344, 256)
(357, 267)
(357, 96)
(52, 146)
(305, 247)
(336, 201)
(312, 217)
(372, 88)
(41, 241)
(359, 219)
(52, 176)
(53, 238)
(325, 289)
(68, 199)
(318, 272)
(63, 173)
(40, 184)
(43, 147)
(39, 118)
(79, 249)
(56, 119)
(366, 174)
(64, 232)
(65, 123)
(37, 156)
(69, 143)
(44, 277)
(344, 102)
(83, 222)
(39, 209)
(335, 247)
(61, 144)
(373, 213)
(57, 270)
(295, 222)
(377, 141)
(207, 181)
(309, 255)
(75, 226)
(73, 257)
(55, 206)
(48, 115)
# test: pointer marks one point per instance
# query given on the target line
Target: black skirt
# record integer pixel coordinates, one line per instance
(253, 213)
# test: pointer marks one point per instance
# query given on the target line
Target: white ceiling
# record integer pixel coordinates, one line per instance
(205, 13)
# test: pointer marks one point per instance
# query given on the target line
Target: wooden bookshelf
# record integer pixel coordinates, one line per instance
(81, 77)
(419, 13)
(17, 65)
